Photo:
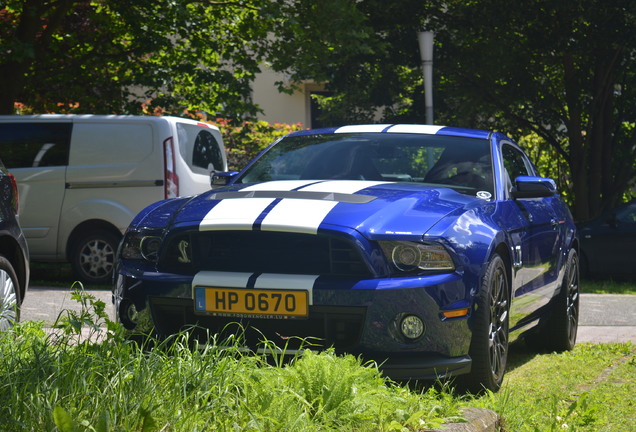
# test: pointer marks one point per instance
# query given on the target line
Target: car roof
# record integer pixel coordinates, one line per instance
(398, 128)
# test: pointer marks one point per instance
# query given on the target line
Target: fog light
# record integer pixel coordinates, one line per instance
(412, 327)
(128, 314)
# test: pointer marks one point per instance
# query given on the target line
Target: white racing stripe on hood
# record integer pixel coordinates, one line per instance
(234, 214)
(290, 214)
(240, 214)
(305, 216)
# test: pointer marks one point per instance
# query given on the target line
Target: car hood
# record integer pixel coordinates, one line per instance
(375, 209)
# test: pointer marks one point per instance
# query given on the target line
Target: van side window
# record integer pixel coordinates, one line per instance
(201, 150)
(28, 145)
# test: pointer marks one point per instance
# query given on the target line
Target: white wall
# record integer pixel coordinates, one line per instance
(281, 107)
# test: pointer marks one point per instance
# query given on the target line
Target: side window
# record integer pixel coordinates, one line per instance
(28, 145)
(515, 163)
(199, 148)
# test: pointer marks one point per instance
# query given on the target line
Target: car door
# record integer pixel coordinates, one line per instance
(534, 230)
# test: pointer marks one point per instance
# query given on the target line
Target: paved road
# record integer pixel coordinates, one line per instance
(46, 303)
(604, 317)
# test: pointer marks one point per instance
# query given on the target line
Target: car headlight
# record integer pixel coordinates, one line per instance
(141, 246)
(411, 256)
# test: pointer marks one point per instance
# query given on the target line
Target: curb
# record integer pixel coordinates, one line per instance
(477, 420)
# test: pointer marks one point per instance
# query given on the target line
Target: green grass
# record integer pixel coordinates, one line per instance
(607, 287)
(588, 389)
(59, 381)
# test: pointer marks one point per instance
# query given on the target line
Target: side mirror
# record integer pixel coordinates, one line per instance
(220, 179)
(533, 187)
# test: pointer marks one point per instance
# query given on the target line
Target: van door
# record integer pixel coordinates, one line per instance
(201, 152)
(37, 153)
(114, 172)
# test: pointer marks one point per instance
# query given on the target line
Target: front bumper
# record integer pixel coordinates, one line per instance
(355, 317)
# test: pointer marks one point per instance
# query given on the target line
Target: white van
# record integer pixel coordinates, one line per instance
(82, 178)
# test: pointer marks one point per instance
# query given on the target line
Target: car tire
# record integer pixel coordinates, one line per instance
(93, 257)
(9, 295)
(558, 333)
(490, 325)
(584, 267)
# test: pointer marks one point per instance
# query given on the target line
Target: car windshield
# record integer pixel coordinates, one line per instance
(461, 163)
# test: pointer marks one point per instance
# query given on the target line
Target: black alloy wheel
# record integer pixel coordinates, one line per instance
(489, 344)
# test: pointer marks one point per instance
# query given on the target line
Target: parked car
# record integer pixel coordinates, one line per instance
(608, 244)
(424, 248)
(83, 178)
(14, 253)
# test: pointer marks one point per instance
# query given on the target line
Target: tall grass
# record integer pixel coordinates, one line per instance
(68, 380)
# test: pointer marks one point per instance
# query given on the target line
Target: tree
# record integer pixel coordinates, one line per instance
(114, 56)
(365, 52)
(562, 70)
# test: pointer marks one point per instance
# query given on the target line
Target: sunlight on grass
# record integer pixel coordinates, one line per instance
(607, 287)
(64, 381)
(588, 389)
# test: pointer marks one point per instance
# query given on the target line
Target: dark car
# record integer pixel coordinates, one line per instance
(424, 248)
(608, 244)
(14, 255)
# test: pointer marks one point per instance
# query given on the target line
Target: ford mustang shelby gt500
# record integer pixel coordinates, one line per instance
(424, 248)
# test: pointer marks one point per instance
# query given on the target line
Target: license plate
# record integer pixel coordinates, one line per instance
(258, 303)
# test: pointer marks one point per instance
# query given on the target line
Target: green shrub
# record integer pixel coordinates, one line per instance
(85, 375)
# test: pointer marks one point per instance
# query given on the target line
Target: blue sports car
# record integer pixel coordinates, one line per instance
(424, 248)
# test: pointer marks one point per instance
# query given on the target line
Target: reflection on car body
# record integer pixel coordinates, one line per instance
(424, 248)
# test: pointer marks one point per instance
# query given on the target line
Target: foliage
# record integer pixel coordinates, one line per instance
(101, 381)
(113, 56)
(366, 52)
(563, 71)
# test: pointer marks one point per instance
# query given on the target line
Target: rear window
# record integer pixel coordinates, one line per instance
(28, 145)
(199, 148)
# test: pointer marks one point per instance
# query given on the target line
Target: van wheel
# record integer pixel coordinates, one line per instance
(93, 257)
(9, 295)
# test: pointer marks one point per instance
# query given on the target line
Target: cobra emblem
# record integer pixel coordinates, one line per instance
(183, 250)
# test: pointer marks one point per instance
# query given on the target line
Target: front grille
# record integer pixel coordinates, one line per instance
(339, 327)
(263, 252)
